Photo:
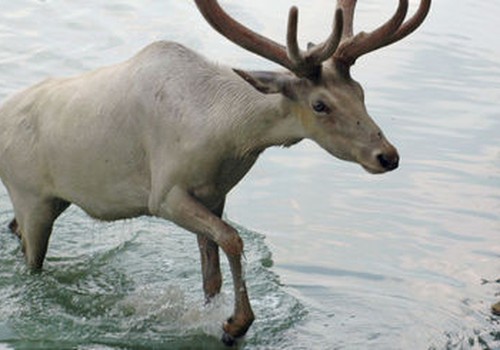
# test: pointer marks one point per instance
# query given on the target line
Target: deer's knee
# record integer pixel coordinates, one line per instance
(230, 241)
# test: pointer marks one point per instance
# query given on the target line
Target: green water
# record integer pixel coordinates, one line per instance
(122, 286)
(335, 258)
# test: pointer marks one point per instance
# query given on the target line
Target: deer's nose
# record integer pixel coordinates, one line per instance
(389, 160)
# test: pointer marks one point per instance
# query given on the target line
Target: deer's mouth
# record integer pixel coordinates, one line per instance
(373, 170)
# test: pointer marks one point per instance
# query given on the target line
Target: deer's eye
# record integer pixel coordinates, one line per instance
(320, 107)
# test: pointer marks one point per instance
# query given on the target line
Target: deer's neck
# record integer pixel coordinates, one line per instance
(262, 121)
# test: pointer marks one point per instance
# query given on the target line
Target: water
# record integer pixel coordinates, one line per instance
(336, 258)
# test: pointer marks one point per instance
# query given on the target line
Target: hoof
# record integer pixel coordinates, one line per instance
(234, 331)
(228, 340)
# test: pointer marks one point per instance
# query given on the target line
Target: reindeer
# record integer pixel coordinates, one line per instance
(169, 134)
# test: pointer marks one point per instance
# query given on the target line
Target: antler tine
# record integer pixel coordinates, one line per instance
(352, 48)
(309, 63)
(327, 49)
(347, 7)
(241, 35)
(292, 45)
(413, 23)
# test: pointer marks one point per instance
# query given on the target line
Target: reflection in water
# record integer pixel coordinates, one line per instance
(381, 262)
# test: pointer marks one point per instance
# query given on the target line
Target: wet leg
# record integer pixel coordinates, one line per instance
(181, 208)
(210, 267)
(243, 317)
(210, 263)
(34, 220)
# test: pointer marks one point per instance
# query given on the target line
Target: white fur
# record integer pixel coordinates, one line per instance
(115, 141)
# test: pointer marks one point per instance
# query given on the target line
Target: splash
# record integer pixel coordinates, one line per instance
(169, 309)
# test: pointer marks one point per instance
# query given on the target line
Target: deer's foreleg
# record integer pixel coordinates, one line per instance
(187, 212)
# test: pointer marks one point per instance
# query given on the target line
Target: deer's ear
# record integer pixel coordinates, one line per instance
(269, 82)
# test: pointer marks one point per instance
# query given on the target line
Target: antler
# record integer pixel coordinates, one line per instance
(352, 47)
(342, 45)
(303, 64)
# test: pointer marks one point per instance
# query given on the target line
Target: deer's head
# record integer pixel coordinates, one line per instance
(319, 86)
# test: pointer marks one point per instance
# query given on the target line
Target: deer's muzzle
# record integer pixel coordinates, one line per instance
(382, 160)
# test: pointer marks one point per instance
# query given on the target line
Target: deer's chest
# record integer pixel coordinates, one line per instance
(226, 175)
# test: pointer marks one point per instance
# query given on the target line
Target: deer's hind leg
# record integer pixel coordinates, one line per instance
(14, 228)
(210, 264)
(33, 223)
